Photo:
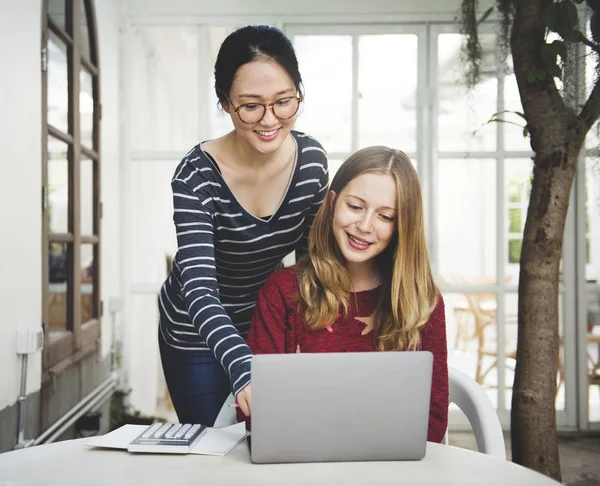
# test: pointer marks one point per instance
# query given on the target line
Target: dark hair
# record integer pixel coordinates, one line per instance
(247, 44)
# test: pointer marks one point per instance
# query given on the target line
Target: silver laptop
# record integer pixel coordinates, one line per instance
(320, 407)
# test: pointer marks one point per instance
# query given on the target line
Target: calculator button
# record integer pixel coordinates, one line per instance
(172, 431)
(192, 431)
(151, 431)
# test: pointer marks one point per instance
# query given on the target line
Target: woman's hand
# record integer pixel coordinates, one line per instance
(244, 398)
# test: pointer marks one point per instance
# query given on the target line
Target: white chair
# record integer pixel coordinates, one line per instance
(469, 396)
(464, 392)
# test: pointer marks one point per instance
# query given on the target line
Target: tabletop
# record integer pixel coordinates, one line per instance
(72, 463)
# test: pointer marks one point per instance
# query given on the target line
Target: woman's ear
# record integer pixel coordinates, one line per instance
(331, 196)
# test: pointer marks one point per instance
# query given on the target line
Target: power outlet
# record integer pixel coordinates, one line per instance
(29, 341)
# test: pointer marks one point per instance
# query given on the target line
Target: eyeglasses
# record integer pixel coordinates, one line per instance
(283, 109)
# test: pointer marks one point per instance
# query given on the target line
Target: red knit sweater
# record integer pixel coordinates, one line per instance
(277, 327)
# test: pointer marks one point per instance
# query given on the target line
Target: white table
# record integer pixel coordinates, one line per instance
(71, 463)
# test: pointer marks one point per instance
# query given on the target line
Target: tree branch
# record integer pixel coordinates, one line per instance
(591, 110)
(592, 45)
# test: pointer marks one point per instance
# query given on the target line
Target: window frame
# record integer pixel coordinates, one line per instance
(63, 348)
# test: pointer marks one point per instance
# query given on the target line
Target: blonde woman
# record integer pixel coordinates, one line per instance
(366, 284)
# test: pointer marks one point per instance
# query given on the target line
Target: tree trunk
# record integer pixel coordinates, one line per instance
(556, 138)
(533, 415)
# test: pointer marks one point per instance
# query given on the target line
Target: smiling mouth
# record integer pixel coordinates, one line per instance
(358, 243)
(267, 134)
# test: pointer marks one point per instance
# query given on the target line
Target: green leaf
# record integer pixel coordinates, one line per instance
(561, 17)
(549, 57)
(560, 48)
(536, 75)
(570, 11)
(485, 15)
(573, 35)
(495, 118)
(554, 70)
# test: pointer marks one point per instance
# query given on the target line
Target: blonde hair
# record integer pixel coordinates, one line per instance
(409, 294)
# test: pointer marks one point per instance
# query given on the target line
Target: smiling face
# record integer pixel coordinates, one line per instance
(364, 217)
(261, 81)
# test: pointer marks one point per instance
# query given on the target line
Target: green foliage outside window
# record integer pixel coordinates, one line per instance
(514, 220)
(514, 250)
(514, 191)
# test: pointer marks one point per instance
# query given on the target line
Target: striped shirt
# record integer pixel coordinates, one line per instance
(225, 254)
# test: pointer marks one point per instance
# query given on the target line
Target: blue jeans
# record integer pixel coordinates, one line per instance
(197, 383)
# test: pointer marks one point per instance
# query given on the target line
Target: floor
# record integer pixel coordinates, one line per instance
(579, 456)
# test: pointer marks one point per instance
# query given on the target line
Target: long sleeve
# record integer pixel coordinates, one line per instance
(195, 260)
(433, 338)
(270, 328)
(320, 196)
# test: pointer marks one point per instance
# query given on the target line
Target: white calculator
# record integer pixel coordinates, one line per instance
(166, 438)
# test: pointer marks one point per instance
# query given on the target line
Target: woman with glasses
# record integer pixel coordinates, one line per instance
(242, 202)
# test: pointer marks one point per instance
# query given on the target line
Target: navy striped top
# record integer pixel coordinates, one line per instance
(225, 254)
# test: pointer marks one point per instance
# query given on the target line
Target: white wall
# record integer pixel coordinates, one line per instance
(20, 181)
(20, 189)
(107, 18)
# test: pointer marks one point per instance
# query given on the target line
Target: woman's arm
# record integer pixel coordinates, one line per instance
(200, 289)
(433, 338)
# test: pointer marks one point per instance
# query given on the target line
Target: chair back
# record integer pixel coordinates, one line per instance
(470, 397)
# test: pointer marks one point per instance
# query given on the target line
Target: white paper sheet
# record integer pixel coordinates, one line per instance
(218, 442)
(215, 442)
(119, 438)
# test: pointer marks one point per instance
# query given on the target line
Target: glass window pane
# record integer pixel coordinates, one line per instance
(58, 83)
(164, 88)
(514, 250)
(591, 77)
(334, 165)
(517, 188)
(88, 289)
(514, 220)
(84, 30)
(514, 138)
(593, 354)
(58, 186)
(466, 223)
(86, 108)
(463, 113)
(592, 223)
(387, 92)
(86, 210)
(511, 314)
(592, 140)
(472, 337)
(59, 286)
(56, 11)
(326, 67)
